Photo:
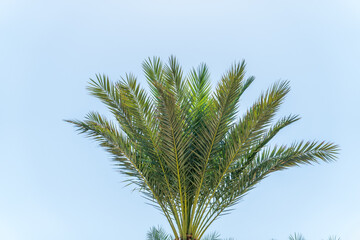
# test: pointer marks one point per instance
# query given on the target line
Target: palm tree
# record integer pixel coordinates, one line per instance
(157, 234)
(160, 234)
(184, 147)
(298, 236)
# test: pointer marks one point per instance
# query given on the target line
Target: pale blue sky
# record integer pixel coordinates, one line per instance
(55, 184)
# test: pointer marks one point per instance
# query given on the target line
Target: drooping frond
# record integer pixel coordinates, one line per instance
(240, 180)
(107, 134)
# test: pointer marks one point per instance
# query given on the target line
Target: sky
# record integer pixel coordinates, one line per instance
(56, 184)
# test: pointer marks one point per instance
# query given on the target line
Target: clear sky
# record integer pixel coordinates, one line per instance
(55, 184)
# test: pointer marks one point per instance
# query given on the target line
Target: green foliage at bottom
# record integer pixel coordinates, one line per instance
(298, 236)
(160, 234)
(157, 234)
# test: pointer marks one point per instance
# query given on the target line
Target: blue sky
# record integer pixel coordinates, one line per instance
(57, 185)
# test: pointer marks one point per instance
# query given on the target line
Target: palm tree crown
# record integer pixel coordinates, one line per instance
(184, 146)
